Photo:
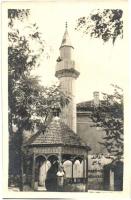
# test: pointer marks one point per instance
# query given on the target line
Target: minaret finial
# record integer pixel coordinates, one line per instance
(66, 25)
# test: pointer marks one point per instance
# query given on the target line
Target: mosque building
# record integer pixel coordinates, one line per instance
(71, 140)
(60, 144)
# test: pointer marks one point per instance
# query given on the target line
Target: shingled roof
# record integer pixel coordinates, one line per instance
(57, 133)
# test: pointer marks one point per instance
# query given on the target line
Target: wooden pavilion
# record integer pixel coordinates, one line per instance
(53, 147)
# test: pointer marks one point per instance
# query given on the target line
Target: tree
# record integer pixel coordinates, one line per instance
(30, 104)
(21, 56)
(106, 24)
(109, 116)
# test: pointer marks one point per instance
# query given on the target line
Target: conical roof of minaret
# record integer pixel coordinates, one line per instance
(66, 39)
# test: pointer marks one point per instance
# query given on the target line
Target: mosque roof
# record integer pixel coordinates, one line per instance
(57, 133)
(89, 105)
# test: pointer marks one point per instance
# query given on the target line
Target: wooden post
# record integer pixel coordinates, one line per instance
(86, 185)
(33, 172)
(27, 168)
(72, 170)
(84, 168)
(59, 158)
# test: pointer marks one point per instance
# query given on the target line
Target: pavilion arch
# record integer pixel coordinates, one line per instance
(68, 168)
(40, 156)
(42, 165)
(80, 158)
(78, 168)
(67, 157)
(39, 160)
(52, 158)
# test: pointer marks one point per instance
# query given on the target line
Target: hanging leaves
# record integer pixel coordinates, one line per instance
(106, 24)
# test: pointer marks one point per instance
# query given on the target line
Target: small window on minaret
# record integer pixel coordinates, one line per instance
(56, 113)
(59, 59)
(64, 40)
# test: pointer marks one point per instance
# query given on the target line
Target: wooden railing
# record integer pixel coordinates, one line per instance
(75, 180)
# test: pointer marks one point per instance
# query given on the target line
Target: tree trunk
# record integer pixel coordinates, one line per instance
(21, 158)
(21, 172)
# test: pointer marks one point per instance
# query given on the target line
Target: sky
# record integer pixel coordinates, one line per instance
(99, 64)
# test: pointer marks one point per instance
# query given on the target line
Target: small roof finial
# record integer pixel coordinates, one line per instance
(66, 25)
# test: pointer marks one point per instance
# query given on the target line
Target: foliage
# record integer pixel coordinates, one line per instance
(21, 59)
(109, 116)
(17, 14)
(106, 24)
(30, 104)
(26, 96)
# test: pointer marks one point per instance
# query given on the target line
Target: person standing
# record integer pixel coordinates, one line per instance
(60, 179)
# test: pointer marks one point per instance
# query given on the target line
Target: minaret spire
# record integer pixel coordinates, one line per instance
(66, 25)
(67, 74)
(66, 39)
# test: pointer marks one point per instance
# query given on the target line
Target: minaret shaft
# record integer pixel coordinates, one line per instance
(67, 74)
(68, 114)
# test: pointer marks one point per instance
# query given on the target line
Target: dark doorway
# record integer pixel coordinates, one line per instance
(106, 177)
(117, 168)
(118, 176)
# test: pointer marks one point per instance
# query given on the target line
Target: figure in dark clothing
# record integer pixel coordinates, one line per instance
(51, 180)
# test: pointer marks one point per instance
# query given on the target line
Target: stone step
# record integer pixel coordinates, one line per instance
(41, 189)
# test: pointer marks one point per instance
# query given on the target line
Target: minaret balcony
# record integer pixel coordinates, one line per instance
(70, 72)
(65, 64)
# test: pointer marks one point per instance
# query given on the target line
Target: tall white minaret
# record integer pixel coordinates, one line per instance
(66, 73)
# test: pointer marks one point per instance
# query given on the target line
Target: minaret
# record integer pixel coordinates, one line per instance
(67, 74)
